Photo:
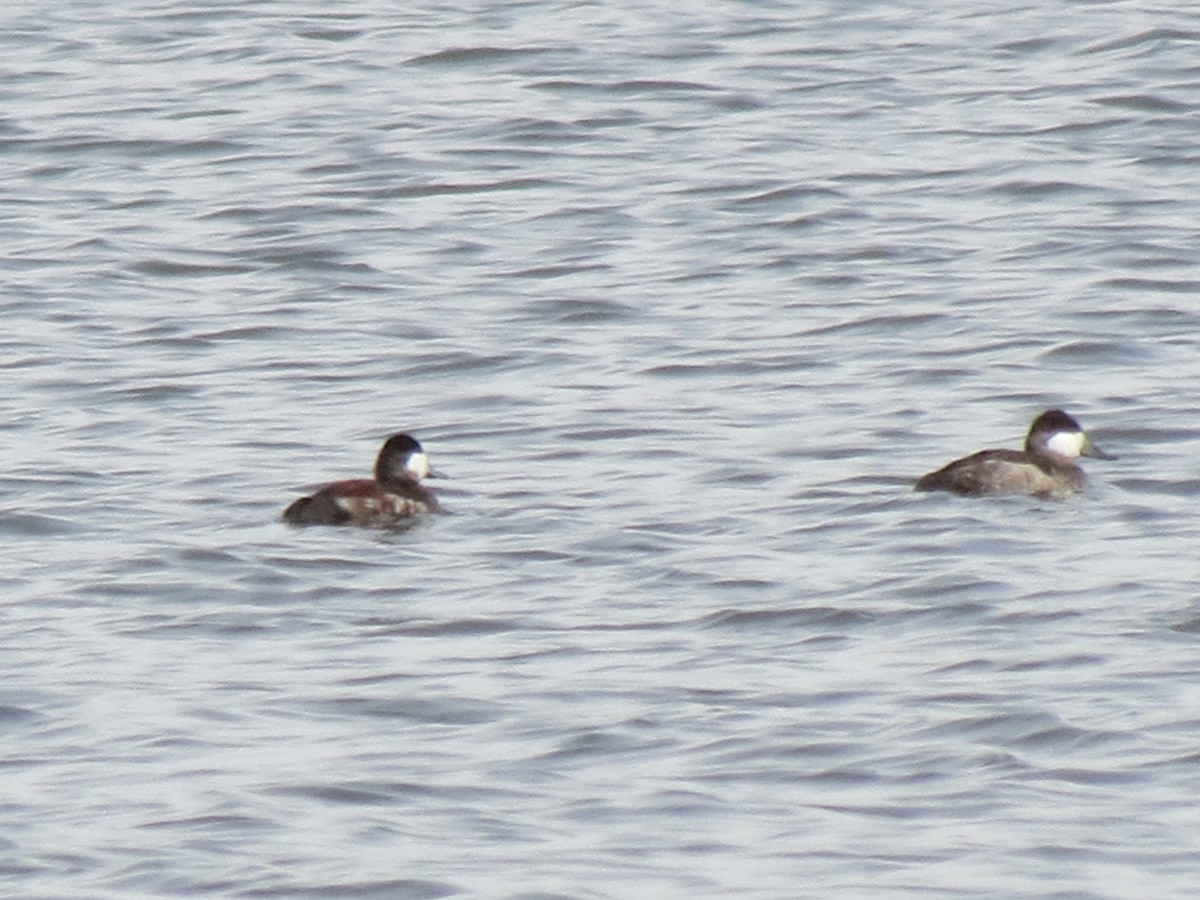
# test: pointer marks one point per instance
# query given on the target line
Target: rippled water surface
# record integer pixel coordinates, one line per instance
(680, 300)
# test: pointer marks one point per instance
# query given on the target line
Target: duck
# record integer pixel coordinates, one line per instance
(1045, 469)
(394, 495)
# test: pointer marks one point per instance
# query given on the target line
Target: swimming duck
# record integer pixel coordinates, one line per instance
(396, 492)
(1046, 468)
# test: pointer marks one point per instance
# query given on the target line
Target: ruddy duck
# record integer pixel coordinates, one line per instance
(396, 493)
(1045, 468)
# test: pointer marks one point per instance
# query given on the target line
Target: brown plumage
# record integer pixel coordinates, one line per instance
(1045, 468)
(395, 494)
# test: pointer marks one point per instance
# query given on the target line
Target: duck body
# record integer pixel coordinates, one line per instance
(1046, 468)
(395, 494)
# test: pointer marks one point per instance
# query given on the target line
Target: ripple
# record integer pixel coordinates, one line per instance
(682, 302)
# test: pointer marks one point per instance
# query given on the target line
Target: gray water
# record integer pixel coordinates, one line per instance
(680, 299)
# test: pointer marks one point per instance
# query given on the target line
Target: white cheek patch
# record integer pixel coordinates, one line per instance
(418, 465)
(1066, 443)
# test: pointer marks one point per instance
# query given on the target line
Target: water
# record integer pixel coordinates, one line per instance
(680, 300)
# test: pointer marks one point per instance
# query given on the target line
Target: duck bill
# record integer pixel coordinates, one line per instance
(1090, 449)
